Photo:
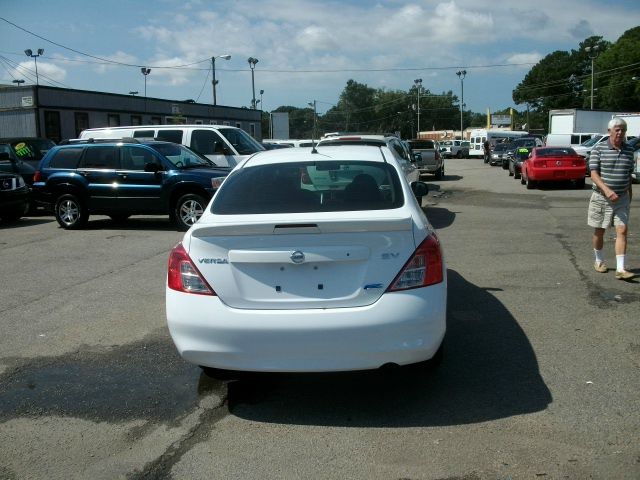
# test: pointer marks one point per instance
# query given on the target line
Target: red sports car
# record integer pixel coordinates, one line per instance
(553, 164)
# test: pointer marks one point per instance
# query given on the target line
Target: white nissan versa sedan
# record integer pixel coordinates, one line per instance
(308, 261)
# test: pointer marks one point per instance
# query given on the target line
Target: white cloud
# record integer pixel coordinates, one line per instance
(46, 71)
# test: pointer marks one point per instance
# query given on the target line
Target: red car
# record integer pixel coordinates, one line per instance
(553, 164)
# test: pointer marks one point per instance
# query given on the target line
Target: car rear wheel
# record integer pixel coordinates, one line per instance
(530, 184)
(440, 173)
(189, 208)
(459, 154)
(71, 212)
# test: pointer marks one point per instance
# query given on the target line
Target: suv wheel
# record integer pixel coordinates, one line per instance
(71, 212)
(188, 211)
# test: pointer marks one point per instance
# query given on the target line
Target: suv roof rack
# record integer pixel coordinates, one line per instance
(98, 140)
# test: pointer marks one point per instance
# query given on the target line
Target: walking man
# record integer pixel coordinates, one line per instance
(611, 164)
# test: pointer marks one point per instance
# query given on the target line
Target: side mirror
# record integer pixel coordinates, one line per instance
(419, 189)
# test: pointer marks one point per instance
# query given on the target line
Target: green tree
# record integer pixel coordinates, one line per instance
(615, 69)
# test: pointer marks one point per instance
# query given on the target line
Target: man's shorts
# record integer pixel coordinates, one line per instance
(603, 213)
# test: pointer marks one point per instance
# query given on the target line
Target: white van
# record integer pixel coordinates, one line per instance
(224, 145)
(568, 139)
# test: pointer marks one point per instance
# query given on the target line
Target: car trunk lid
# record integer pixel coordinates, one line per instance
(288, 264)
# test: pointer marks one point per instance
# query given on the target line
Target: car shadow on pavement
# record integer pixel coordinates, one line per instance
(450, 178)
(133, 223)
(26, 222)
(440, 217)
(489, 371)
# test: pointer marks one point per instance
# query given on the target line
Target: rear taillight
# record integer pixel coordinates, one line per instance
(37, 176)
(539, 164)
(424, 268)
(183, 275)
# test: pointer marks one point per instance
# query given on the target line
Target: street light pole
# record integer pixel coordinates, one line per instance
(593, 53)
(461, 74)
(29, 53)
(418, 82)
(145, 71)
(213, 71)
(252, 64)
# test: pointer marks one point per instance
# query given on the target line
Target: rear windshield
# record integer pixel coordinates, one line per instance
(552, 152)
(423, 144)
(330, 186)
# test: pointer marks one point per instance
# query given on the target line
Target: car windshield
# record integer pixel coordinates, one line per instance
(500, 146)
(181, 156)
(592, 141)
(31, 149)
(244, 143)
(329, 186)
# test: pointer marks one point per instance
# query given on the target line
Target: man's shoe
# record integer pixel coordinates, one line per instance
(624, 275)
(600, 267)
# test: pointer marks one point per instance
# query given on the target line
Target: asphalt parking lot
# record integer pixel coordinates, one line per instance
(539, 380)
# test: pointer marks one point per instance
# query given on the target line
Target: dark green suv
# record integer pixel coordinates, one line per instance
(124, 178)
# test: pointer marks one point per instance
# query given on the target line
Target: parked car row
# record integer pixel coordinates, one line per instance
(533, 164)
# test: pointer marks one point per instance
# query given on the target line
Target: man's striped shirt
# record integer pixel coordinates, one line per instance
(614, 166)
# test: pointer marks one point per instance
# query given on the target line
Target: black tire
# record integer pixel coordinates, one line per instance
(71, 212)
(440, 172)
(530, 184)
(188, 210)
(459, 154)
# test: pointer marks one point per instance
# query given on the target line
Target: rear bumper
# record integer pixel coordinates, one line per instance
(553, 174)
(401, 327)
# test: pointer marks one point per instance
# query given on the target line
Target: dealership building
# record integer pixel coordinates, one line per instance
(62, 113)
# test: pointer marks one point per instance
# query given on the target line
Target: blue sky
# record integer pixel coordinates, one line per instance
(307, 50)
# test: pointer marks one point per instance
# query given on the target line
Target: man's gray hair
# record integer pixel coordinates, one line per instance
(616, 122)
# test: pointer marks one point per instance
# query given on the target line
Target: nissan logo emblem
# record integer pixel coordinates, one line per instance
(297, 257)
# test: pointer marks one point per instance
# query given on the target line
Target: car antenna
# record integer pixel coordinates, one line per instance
(313, 130)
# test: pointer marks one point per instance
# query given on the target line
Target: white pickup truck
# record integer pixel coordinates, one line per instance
(454, 148)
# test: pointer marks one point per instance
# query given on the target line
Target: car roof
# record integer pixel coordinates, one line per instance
(113, 141)
(328, 153)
